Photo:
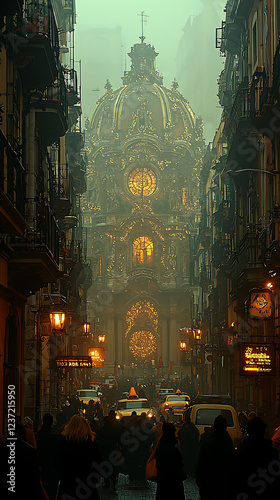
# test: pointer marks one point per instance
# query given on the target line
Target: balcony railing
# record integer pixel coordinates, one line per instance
(33, 36)
(52, 111)
(12, 170)
(240, 109)
(71, 81)
(57, 93)
(247, 254)
(36, 19)
(43, 231)
(221, 251)
(76, 250)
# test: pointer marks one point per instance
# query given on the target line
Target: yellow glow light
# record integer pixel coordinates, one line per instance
(57, 320)
(143, 250)
(142, 344)
(142, 181)
(142, 311)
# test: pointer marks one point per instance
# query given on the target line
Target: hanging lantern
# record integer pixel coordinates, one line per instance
(57, 320)
(86, 328)
(197, 334)
(101, 338)
(183, 346)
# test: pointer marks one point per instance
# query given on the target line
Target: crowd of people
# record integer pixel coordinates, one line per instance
(83, 452)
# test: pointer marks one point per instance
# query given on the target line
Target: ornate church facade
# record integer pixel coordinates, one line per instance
(141, 210)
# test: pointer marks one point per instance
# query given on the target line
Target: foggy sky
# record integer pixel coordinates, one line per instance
(106, 31)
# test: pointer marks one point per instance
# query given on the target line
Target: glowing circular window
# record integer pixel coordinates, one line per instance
(142, 344)
(142, 182)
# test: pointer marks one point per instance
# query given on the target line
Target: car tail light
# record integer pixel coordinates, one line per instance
(166, 405)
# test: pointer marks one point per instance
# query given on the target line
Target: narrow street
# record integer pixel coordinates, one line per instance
(125, 492)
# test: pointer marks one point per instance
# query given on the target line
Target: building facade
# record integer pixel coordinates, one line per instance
(42, 176)
(239, 233)
(141, 212)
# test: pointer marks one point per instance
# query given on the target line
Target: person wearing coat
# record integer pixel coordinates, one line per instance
(77, 461)
(48, 441)
(257, 466)
(214, 473)
(169, 462)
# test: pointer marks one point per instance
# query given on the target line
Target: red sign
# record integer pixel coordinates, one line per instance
(97, 355)
(257, 359)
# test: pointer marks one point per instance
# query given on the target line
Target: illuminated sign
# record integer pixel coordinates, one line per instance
(257, 359)
(97, 356)
(74, 362)
(260, 304)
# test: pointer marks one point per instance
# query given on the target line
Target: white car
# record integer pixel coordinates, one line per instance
(86, 395)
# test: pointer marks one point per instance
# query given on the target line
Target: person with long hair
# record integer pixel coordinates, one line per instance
(76, 460)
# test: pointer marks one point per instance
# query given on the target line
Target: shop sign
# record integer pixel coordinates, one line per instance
(257, 359)
(97, 355)
(74, 362)
(260, 304)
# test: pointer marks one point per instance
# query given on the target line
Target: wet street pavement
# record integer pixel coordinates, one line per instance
(125, 491)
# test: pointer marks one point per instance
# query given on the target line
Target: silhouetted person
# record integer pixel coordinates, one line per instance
(205, 435)
(27, 471)
(257, 466)
(76, 460)
(140, 437)
(61, 420)
(48, 441)
(276, 434)
(90, 410)
(189, 443)
(214, 474)
(169, 461)
(108, 441)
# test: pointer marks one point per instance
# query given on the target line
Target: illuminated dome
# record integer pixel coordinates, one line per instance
(142, 105)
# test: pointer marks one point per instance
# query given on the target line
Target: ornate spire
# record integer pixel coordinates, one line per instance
(174, 84)
(143, 20)
(108, 86)
(142, 57)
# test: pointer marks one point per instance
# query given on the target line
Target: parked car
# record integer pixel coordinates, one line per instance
(203, 415)
(224, 399)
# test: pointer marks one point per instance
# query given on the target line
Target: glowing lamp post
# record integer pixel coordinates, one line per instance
(57, 320)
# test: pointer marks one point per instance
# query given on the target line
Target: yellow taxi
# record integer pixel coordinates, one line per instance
(175, 404)
(86, 395)
(203, 415)
(126, 406)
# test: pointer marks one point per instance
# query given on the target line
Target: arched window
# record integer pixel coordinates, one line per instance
(143, 250)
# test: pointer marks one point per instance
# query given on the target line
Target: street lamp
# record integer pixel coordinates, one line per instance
(86, 328)
(101, 338)
(183, 346)
(57, 319)
(197, 334)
